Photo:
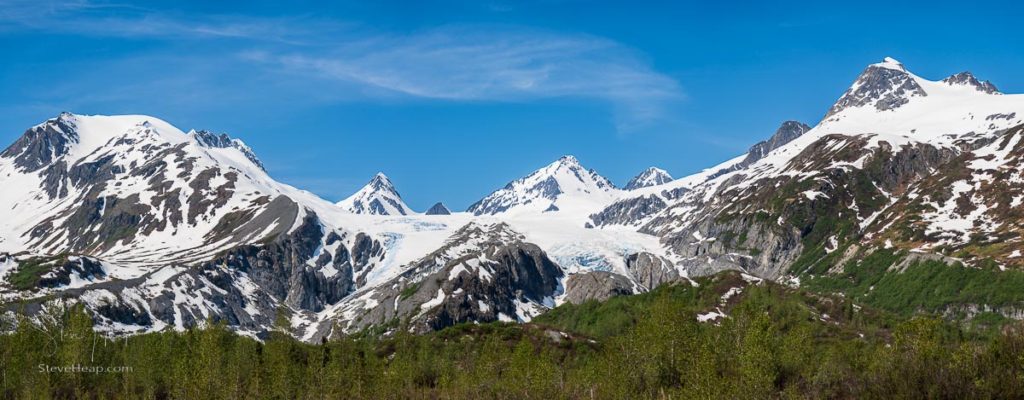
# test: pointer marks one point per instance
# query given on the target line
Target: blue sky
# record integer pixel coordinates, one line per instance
(454, 99)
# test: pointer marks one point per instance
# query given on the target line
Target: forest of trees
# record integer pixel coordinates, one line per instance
(776, 343)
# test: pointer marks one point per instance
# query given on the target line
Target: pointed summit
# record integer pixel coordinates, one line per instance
(546, 187)
(568, 159)
(788, 131)
(378, 197)
(438, 209)
(890, 63)
(43, 143)
(652, 176)
(212, 140)
(966, 78)
(885, 86)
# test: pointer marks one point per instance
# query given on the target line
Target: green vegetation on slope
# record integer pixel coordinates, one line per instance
(29, 272)
(927, 286)
(777, 343)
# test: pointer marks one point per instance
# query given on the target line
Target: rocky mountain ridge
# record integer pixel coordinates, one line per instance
(154, 228)
(378, 197)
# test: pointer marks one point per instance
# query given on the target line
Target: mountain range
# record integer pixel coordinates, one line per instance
(154, 228)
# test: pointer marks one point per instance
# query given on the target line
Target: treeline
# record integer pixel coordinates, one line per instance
(773, 345)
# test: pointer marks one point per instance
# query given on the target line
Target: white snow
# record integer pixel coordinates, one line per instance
(710, 315)
(813, 194)
(946, 114)
(652, 176)
(379, 192)
(434, 302)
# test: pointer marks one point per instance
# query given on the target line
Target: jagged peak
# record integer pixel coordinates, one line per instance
(497, 232)
(655, 170)
(786, 132)
(378, 197)
(64, 122)
(438, 209)
(652, 176)
(566, 175)
(44, 143)
(890, 63)
(208, 139)
(886, 86)
(966, 78)
(566, 168)
(380, 181)
(567, 159)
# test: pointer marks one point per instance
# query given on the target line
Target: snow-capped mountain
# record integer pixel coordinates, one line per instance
(378, 197)
(153, 228)
(163, 228)
(788, 131)
(833, 188)
(130, 188)
(652, 176)
(438, 209)
(563, 184)
(967, 79)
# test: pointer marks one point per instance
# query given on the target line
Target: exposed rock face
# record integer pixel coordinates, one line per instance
(280, 267)
(651, 270)
(223, 141)
(886, 86)
(788, 131)
(483, 273)
(365, 250)
(378, 197)
(776, 248)
(79, 268)
(638, 210)
(244, 287)
(649, 177)
(808, 211)
(119, 181)
(596, 285)
(545, 186)
(629, 211)
(765, 225)
(43, 144)
(438, 209)
(967, 79)
(970, 206)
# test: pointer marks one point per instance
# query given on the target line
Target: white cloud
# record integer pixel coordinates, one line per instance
(487, 63)
(453, 63)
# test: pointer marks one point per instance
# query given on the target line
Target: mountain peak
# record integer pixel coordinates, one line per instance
(966, 78)
(568, 159)
(438, 209)
(544, 187)
(209, 139)
(786, 132)
(886, 86)
(44, 143)
(651, 176)
(890, 63)
(378, 197)
(381, 182)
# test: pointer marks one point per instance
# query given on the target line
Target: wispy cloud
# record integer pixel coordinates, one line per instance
(100, 19)
(450, 63)
(489, 63)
